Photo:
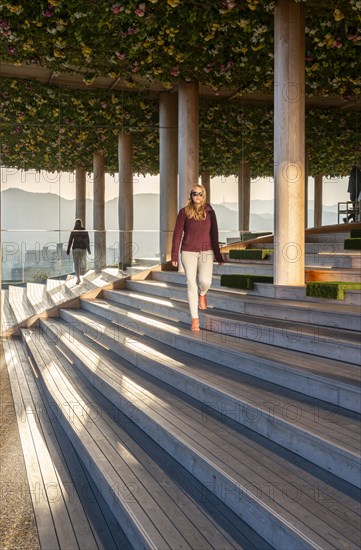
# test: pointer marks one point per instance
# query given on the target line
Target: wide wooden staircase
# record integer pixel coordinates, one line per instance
(138, 433)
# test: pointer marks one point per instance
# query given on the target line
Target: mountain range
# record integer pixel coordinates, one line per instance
(47, 211)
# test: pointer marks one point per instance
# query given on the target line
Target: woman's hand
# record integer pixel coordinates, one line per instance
(221, 263)
(175, 264)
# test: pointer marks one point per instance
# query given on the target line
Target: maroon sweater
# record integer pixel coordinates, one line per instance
(197, 235)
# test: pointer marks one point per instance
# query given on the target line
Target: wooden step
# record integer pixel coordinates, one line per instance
(304, 309)
(152, 509)
(322, 441)
(333, 381)
(21, 308)
(38, 297)
(254, 477)
(328, 314)
(69, 513)
(7, 317)
(340, 344)
(263, 290)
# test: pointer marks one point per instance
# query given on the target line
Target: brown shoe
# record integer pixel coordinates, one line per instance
(195, 325)
(202, 302)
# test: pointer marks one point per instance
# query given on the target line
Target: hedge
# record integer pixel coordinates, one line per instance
(245, 282)
(355, 233)
(352, 244)
(249, 254)
(330, 289)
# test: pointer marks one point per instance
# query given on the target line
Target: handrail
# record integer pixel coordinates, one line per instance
(348, 210)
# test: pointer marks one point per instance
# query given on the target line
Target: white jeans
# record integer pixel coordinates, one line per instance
(198, 267)
(79, 259)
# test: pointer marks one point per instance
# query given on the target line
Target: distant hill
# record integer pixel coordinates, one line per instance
(46, 211)
(25, 210)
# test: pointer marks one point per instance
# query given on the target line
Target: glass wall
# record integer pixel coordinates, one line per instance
(46, 132)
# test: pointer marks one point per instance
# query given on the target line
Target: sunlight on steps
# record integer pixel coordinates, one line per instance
(245, 436)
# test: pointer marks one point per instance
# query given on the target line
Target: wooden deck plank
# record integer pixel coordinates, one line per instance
(196, 437)
(92, 437)
(183, 511)
(95, 527)
(7, 317)
(20, 305)
(310, 319)
(240, 301)
(287, 368)
(168, 498)
(91, 518)
(65, 491)
(107, 365)
(38, 490)
(217, 512)
(326, 367)
(58, 495)
(156, 484)
(37, 296)
(342, 431)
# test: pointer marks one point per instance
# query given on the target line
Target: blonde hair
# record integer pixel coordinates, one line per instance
(196, 211)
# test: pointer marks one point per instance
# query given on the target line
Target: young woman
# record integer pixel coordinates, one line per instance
(196, 234)
(79, 242)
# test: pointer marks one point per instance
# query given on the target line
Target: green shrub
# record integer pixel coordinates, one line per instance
(249, 254)
(40, 276)
(352, 244)
(330, 289)
(355, 233)
(245, 282)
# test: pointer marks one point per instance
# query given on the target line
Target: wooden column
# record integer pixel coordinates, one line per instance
(206, 182)
(80, 200)
(289, 144)
(317, 219)
(306, 187)
(188, 139)
(125, 206)
(98, 212)
(244, 195)
(2, 296)
(168, 170)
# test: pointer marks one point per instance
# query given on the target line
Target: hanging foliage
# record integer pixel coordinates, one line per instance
(53, 128)
(221, 43)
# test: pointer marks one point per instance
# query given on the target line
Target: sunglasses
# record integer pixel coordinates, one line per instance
(195, 193)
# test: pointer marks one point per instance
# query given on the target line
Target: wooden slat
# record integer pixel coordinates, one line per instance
(317, 340)
(93, 523)
(275, 358)
(114, 466)
(20, 305)
(242, 391)
(201, 531)
(173, 505)
(41, 502)
(7, 318)
(210, 440)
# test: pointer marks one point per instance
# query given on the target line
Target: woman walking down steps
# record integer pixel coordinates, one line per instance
(196, 235)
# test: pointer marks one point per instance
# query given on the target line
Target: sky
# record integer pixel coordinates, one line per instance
(222, 189)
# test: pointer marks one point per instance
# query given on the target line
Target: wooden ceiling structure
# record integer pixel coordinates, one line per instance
(75, 81)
